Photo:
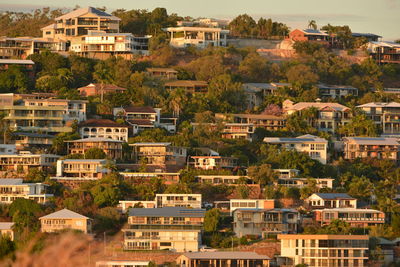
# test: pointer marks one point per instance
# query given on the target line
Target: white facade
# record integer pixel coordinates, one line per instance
(251, 204)
(12, 189)
(200, 37)
(178, 200)
(85, 169)
(331, 200)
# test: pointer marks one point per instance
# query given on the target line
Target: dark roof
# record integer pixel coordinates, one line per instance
(228, 255)
(168, 212)
(334, 195)
(100, 123)
(34, 135)
(140, 109)
(141, 122)
(358, 34)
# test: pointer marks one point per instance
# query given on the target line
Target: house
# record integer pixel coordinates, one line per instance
(385, 115)
(6, 229)
(12, 189)
(250, 204)
(313, 146)
(302, 182)
(122, 263)
(308, 35)
(384, 52)
(26, 64)
(189, 86)
(355, 217)
(256, 92)
(102, 128)
(8, 149)
(172, 228)
(44, 115)
(65, 219)
(27, 140)
(162, 73)
(369, 37)
(81, 169)
(96, 89)
(371, 147)
(79, 22)
(218, 179)
(336, 91)
(222, 258)
(267, 122)
(287, 173)
(25, 160)
(329, 116)
(102, 45)
(125, 205)
(331, 200)
(144, 177)
(22, 47)
(262, 222)
(230, 130)
(323, 250)
(200, 37)
(213, 162)
(111, 147)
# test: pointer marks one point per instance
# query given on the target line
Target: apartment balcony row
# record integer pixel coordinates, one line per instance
(164, 227)
(42, 128)
(162, 238)
(355, 219)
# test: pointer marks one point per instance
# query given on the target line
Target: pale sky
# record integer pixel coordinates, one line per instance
(375, 16)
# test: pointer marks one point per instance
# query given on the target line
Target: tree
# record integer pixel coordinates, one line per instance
(359, 125)
(242, 26)
(7, 246)
(24, 213)
(254, 68)
(102, 73)
(337, 227)
(361, 188)
(312, 24)
(59, 146)
(211, 220)
(262, 174)
(301, 76)
(95, 153)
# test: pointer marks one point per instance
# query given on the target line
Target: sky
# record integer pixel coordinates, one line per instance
(381, 17)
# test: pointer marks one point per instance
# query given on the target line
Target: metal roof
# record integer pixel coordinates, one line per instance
(95, 139)
(17, 61)
(333, 195)
(226, 255)
(64, 214)
(372, 141)
(11, 181)
(85, 10)
(380, 105)
(6, 225)
(168, 212)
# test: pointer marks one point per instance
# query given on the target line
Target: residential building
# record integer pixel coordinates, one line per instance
(213, 162)
(102, 128)
(355, 217)
(158, 154)
(267, 122)
(189, 86)
(217, 179)
(200, 37)
(315, 147)
(27, 140)
(251, 204)
(384, 52)
(172, 228)
(178, 200)
(12, 189)
(370, 37)
(336, 91)
(329, 117)
(223, 258)
(112, 147)
(79, 22)
(162, 73)
(371, 147)
(65, 219)
(262, 222)
(144, 177)
(385, 115)
(323, 250)
(27, 65)
(102, 45)
(81, 169)
(125, 205)
(96, 89)
(302, 182)
(122, 263)
(6, 229)
(231, 130)
(8, 149)
(25, 160)
(308, 35)
(44, 115)
(287, 173)
(331, 200)
(256, 92)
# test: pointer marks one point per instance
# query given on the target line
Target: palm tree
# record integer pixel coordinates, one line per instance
(103, 75)
(312, 24)
(176, 101)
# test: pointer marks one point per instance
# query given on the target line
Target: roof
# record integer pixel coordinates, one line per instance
(36, 135)
(358, 34)
(314, 32)
(64, 214)
(147, 109)
(372, 141)
(333, 196)
(17, 61)
(188, 28)
(100, 161)
(141, 122)
(98, 86)
(350, 210)
(380, 105)
(101, 123)
(300, 139)
(161, 70)
(318, 105)
(252, 116)
(85, 10)
(386, 44)
(151, 144)
(342, 87)
(6, 225)
(226, 255)
(186, 83)
(10, 181)
(168, 212)
(95, 139)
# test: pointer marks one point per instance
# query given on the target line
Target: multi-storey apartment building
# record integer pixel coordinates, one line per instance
(329, 117)
(371, 147)
(101, 128)
(200, 37)
(231, 130)
(44, 115)
(268, 122)
(12, 189)
(158, 154)
(384, 52)
(336, 91)
(26, 160)
(355, 217)
(27, 65)
(6, 229)
(79, 22)
(385, 115)
(27, 140)
(261, 222)
(8, 149)
(331, 200)
(323, 250)
(163, 73)
(302, 182)
(315, 147)
(22, 47)
(213, 162)
(178, 200)
(173, 228)
(112, 147)
(251, 204)
(65, 219)
(217, 179)
(287, 173)
(96, 89)
(81, 169)
(144, 177)
(189, 86)
(223, 258)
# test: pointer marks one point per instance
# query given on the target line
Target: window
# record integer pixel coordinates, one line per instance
(165, 244)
